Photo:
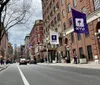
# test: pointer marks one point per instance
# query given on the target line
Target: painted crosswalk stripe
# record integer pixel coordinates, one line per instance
(23, 77)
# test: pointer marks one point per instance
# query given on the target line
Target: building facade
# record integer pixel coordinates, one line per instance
(10, 52)
(55, 18)
(22, 51)
(27, 38)
(36, 39)
(3, 46)
(58, 17)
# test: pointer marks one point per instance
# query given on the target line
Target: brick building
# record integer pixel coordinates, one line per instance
(10, 52)
(36, 39)
(3, 45)
(58, 17)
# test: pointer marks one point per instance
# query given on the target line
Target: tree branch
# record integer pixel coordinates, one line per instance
(23, 15)
(15, 23)
(5, 14)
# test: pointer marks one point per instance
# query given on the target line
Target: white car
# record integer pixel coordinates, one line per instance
(23, 61)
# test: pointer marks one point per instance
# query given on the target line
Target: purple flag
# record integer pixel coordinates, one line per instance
(79, 22)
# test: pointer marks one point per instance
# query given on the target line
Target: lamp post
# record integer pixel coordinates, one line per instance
(98, 37)
(47, 50)
(98, 34)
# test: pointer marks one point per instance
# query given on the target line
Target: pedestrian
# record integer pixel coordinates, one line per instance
(1, 61)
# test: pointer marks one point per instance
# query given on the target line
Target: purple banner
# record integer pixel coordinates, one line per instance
(79, 22)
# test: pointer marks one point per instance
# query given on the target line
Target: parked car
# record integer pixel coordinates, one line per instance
(23, 61)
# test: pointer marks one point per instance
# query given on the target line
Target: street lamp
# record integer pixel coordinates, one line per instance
(98, 34)
(47, 50)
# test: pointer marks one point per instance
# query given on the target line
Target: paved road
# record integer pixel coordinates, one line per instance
(48, 75)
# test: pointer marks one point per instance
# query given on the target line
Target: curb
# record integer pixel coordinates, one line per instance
(77, 66)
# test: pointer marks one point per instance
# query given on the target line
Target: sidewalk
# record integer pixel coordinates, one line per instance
(2, 67)
(91, 66)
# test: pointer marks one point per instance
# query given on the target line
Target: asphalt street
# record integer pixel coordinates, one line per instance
(48, 75)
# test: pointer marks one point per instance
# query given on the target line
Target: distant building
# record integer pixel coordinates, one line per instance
(27, 38)
(10, 52)
(22, 51)
(36, 39)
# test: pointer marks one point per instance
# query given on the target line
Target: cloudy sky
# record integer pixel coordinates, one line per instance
(18, 33)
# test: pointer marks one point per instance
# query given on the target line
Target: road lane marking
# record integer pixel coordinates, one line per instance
(23, 77)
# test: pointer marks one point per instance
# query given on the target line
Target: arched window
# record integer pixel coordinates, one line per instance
(66, 41)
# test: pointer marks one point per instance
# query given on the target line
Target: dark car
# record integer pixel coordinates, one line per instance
(23, 61)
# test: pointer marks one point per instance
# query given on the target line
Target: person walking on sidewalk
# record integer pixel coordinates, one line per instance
(2, 62)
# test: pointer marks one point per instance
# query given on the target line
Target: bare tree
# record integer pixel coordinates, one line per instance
(13, 12)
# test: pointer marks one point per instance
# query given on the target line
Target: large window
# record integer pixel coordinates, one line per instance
(89, 51)
(87, 34)
(60, 41)
(96, 4)
(74, 51)
(80, 51)
(70, 21)
(72, 37)
(63, 13)
(78, 36)
(74, 3)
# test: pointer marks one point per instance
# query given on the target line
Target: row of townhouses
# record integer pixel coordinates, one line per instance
(57, 16)
(6, 49)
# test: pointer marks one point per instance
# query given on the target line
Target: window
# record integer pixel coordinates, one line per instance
(84, 10)
(52, 23)
(96, 4)
(64, 24)
(57, 5)
(60, 41)
(87, 34)
(74, 3)
(78, 36)
(63, 13)
(58, 17)
(72, 37)
(69, 8)
(70, 21)
(74, 51)
(55, 20)
(53, 10)
(89, 51)
(80, 51)
(62, 2)
(38, 35)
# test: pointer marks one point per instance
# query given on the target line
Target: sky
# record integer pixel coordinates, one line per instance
(17, 33)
